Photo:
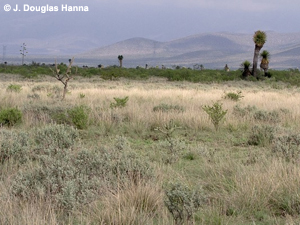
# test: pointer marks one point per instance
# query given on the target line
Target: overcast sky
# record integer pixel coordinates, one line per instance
(110, 21)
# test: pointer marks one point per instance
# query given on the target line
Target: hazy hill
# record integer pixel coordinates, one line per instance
(213, 50)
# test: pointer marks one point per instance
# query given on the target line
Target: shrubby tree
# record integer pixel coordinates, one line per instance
(63, 78)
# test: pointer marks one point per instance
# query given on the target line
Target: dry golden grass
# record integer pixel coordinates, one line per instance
(261, 185)
(144, 96)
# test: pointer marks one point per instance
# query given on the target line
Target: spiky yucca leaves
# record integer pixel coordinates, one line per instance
(245, 68)
(259, 38)
(265, 55)
(120, 58)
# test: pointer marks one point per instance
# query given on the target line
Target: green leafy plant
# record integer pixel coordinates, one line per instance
(234, 96)
(216, 113)
(119, 102)
(14, 88)
(79, 116)
(10, 116)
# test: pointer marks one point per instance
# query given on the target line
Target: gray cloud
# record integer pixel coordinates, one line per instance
(109, 21)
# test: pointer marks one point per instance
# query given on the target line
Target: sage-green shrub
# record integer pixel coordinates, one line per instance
(71, 176)
(168, 108)
(262, 135)
(51, 138)
(14, 145)
(182, 202)
(287, 147)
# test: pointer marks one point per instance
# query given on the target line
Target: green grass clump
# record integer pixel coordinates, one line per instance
(14, 88)
(234, 96)
(168, 108)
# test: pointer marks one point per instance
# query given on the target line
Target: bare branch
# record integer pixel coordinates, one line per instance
(63, 78)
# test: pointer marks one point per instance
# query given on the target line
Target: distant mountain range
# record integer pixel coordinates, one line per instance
(213, 50)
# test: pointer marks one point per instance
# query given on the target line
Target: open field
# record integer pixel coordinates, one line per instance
(157, 160)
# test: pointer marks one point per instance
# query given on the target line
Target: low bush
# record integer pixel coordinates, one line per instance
(288, 147)
(119, 102)
(168, 108)
(234, 96)
(182, 202)
(70, 176)
(79, 115)
(265, 116)
(243, 112)
(10, 117)
(262, 135)
(14, 145)
(54, 137)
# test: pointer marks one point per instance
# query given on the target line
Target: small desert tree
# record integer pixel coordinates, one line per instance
(259, 38)
(120, 58)
(216, 113)
(65, 77)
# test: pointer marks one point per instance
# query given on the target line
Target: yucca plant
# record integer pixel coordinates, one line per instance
(120, 58)
(265, 55)
(246, 68)
(259, 38)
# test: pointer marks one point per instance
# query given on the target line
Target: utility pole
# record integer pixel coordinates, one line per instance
(23, 52)
(4, 53)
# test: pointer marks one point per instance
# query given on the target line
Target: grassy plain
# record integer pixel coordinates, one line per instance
(247, 172)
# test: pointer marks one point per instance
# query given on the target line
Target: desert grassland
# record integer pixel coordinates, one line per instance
(240, 174)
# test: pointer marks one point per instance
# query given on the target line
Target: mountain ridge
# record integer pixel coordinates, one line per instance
(214, 49)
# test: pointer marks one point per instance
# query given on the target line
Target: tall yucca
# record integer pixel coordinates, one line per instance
(259, 38)
(120, 58)
(265, 56)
